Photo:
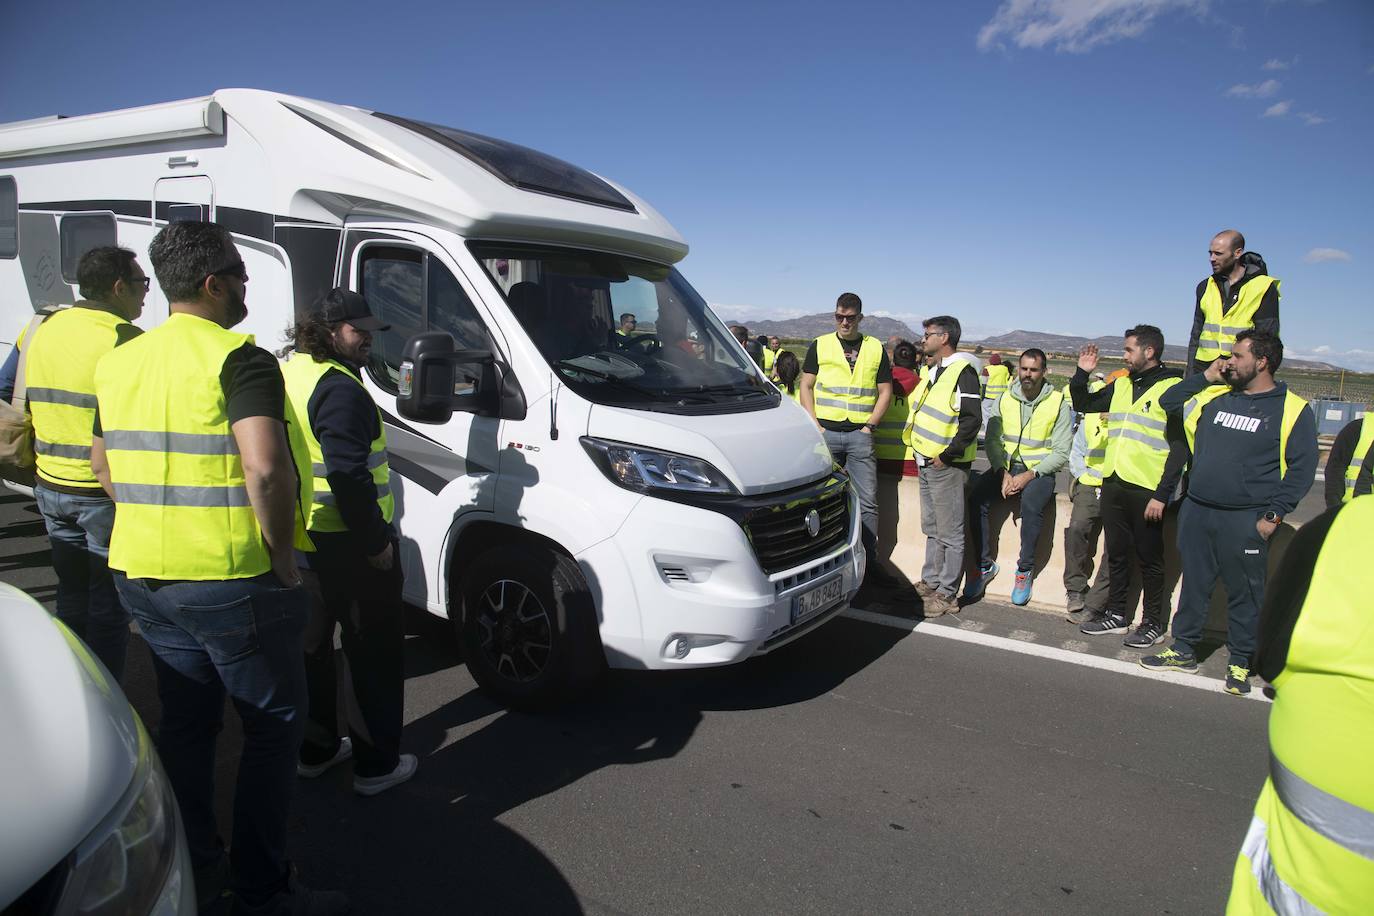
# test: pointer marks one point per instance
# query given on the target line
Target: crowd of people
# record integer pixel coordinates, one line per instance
(255, 514)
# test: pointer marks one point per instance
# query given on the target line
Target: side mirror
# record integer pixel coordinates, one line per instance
(437, 380)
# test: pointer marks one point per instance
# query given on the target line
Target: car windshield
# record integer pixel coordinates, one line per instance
(624, 331)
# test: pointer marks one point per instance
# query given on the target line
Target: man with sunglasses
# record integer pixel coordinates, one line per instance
(196, 442)
(60, 375)
(846, 386)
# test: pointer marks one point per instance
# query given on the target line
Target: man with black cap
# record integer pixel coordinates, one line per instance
(354, 572)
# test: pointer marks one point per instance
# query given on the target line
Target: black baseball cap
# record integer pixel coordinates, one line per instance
(343, 305)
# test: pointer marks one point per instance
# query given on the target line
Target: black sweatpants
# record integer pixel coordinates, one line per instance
(366, 604)
(1129, 535)
(1223, 543)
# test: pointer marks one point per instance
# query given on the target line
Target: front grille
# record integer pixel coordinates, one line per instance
(779, 536)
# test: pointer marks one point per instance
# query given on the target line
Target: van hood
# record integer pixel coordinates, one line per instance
(71, 742)
(759, 451)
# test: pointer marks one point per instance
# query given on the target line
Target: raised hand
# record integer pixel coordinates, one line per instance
(1087, 357)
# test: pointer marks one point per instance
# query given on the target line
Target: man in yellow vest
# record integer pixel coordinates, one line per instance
(1146, 453)
(354, 571)
(1254, 448)
(1310, 846)
(194, 440)
(1086, 457)
(1350, 463)
(996, 378)
(846, 386)
(770, 357)
(1238, 295)
(60, 375)
(946, 414)
(1030, 430)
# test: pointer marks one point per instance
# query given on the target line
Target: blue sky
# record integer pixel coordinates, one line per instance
(1049, 164)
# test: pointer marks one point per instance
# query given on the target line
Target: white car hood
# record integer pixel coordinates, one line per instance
(70, 743)
(760, 451)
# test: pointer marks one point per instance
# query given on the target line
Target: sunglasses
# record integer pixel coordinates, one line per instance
(145, 282)
(235, 269)
(847, 319)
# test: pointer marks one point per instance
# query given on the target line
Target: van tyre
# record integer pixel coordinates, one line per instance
(529, 629)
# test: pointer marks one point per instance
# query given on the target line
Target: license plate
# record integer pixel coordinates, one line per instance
(816, 598)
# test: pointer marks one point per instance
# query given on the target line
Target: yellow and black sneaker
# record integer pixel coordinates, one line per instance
(1169, 660)
(1237, 680)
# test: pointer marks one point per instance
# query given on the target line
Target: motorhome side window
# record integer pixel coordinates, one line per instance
(79, 233)
(9, 218)
(413, 291)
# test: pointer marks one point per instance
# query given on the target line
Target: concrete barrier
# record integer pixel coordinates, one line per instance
(901, 548)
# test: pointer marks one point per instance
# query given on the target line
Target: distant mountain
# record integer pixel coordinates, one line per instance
(1016, 341)
(823, 322)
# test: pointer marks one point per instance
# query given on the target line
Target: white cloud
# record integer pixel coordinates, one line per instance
(1312, 119)
(1254, 90)
(1359, 360)
(1322, 255)
(1278, 109)
(1274, 63)
(1075, 26)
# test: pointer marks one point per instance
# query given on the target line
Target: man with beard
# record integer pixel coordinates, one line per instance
(194, 441)
(354, 573)
(1254, 457)
(1030, 430)
(1238, 295)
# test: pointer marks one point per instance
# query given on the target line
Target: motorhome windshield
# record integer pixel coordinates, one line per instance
(624, 331)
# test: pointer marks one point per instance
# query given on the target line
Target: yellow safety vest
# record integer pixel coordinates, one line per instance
(1220, 326)
(1192, 413)
(181, 500)
(888, 440)
(999, 380)
(935, 414)
(1137, 445)
(769, 358)
(302, 374)
(1095, 435)
(842, 393)
(1362, 447)
(61, 390)
(1310, 847)
(1033, 442)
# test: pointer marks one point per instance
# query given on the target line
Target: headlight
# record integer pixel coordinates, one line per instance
(644, 469)
(122, 866)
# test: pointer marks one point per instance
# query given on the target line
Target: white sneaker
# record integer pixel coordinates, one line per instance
(310, 771)
(371, 785)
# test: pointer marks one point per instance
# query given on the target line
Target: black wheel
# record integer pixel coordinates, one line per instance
(529, 627)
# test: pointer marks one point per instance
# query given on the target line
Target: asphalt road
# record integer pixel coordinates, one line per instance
(863, 769)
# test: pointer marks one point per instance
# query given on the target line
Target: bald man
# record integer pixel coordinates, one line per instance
(1238, 296)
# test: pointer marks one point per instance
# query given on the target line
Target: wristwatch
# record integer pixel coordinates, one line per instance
(871, 427)
(1272, 517)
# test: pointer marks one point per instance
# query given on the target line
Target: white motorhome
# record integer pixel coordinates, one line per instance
(644, 501)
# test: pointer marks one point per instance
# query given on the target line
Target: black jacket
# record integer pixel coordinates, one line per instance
(345, 421)
(1342, 450)
(1266, 318)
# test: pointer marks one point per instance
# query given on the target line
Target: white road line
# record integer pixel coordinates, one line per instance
(960, 634)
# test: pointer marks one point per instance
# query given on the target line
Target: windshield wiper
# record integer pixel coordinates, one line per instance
(568, 366)
(730, 388)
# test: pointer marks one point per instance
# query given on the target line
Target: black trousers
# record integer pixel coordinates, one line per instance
(1226, 544)
(1129, 537)
(366, 604)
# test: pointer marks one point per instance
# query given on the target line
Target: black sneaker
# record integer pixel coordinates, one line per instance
(1146, 636)
(1105, 625)
(1237, 680)
(1169, 660)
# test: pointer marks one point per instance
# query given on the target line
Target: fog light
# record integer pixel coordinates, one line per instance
(681, 648)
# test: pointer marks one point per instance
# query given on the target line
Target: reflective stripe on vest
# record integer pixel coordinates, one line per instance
(1192, 413)
(1362, 447)
(888, 442)
(999, 380)
(1314, 847)
(935, 414)
(302, 374)
(182, 506)
(1220, 326)
(1032, 444)
(1137, 444)
(60, 373)
(842, 393)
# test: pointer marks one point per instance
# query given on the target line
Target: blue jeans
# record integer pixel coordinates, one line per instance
(79, 530)
(1035, 499)
(243, 637)
(854, 452)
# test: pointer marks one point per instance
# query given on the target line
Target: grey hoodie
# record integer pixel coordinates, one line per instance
(1060, 440)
